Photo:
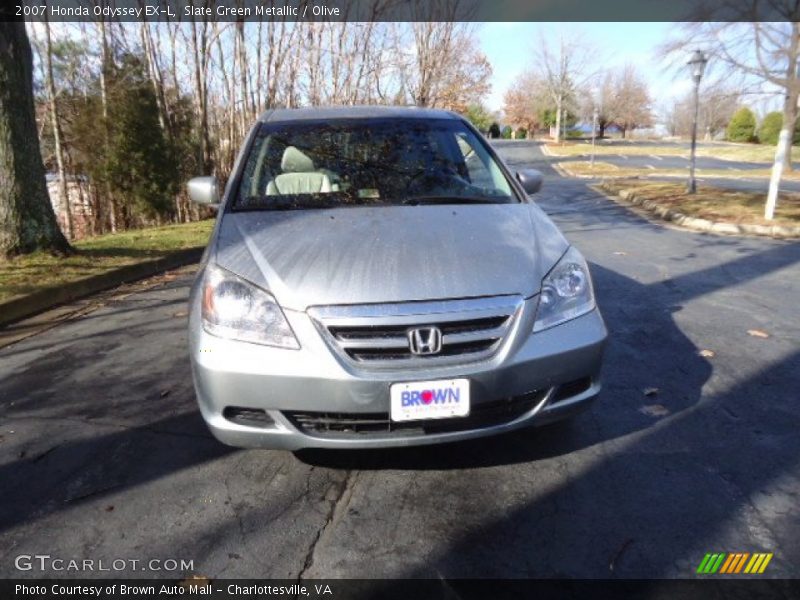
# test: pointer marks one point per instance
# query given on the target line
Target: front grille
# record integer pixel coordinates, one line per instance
(487, 414)
(377, 335)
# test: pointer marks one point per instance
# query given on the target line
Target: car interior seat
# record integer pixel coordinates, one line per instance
(299, 176)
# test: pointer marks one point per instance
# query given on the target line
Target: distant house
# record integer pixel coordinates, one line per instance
(80, 203)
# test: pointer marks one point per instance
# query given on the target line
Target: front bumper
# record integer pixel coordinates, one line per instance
(249, 376)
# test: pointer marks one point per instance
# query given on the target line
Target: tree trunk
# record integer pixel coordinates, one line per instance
(27, 221)
(789, 120)
(112, 203)
(57, 137)
(558, 123)
(200, 53)
(784, 143)
(156, 80)
(792, 92)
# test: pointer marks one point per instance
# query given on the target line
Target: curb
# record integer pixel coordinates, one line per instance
(21, 307)
(704, 225)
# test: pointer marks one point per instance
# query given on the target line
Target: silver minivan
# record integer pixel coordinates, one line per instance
(377, 277)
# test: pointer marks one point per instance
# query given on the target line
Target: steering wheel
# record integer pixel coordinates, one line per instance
(443, 177)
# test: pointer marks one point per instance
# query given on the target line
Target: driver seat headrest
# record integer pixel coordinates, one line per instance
(295, 161)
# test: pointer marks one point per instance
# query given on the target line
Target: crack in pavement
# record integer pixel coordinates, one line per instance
(233, 506)
(337, 507)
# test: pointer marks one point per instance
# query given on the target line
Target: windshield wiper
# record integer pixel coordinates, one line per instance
(414, 200)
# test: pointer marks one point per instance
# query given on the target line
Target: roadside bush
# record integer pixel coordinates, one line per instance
(770, 128)
(522, 133)
(506, 132)
(742, 126)
(494, 130)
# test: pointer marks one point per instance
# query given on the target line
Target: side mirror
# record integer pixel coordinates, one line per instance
(530, 179)
(204, 190)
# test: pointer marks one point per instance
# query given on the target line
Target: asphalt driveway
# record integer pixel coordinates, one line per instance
(103, 454)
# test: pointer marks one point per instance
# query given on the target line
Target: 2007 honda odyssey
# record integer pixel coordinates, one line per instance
(377, 277)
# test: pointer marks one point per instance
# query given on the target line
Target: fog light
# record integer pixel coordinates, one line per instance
(251, 417)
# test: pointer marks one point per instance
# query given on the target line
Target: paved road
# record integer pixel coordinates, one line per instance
(656, 162)
(103, 455)
(673, 162)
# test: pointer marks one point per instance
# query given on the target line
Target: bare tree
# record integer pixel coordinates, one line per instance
(759, 52)
(447, 69)
(598, 96)
(718, 102)
(55, 121)
(154, 72)
(525, 101)
(106, 65)
(201, 50)
(563, 70)
(628, 105)
(220, 76)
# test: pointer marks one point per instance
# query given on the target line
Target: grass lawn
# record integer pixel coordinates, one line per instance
(714, 204)
(739, 152)
(32, 272)
(583, 168)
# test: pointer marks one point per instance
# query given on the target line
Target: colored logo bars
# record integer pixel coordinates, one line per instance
(734, 563)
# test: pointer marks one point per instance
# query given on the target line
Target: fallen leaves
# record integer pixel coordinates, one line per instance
(757, 333)
(180, 313)
(650, 392)
(707, 353)
(164, 393)
(620, 253)
(654, 410)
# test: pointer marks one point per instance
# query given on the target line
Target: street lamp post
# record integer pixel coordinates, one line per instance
(594, 134)
(697, 64)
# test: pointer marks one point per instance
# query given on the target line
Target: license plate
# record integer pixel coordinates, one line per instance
(418, 400)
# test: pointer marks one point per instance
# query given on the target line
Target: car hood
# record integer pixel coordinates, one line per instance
(370, 255)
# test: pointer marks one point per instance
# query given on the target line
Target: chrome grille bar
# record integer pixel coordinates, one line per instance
(376, 336)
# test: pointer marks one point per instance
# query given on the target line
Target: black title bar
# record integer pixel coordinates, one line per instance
(417, 589)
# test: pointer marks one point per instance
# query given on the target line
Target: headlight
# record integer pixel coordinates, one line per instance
(566, 292)
(236, 309)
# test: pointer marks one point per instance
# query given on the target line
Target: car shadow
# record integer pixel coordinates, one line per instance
(646, 349)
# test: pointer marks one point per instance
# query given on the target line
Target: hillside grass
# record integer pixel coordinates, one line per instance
(96, 255)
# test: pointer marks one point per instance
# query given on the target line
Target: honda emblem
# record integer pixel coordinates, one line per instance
(425, 340)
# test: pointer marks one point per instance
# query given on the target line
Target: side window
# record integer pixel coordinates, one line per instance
(481, 169)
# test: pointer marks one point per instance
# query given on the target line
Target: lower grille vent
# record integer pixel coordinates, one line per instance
(487, 414)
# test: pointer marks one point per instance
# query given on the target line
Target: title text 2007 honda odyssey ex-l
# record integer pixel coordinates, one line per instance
(377, 277)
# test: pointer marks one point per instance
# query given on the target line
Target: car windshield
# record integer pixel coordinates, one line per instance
(356, 162)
